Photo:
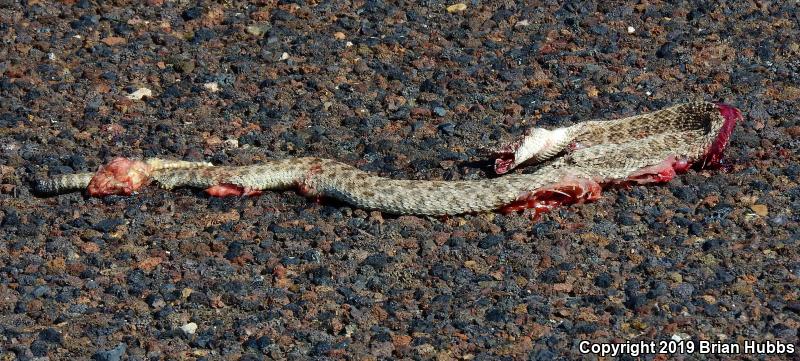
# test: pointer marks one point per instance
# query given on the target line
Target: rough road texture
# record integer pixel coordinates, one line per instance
(712, 255)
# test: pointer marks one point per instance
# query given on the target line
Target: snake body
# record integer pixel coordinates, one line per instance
(571, 163)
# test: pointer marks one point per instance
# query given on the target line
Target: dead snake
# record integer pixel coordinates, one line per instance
(572, 163)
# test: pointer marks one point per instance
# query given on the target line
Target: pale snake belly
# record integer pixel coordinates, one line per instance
(572, 163)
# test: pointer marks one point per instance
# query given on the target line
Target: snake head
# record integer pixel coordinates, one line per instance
(504, 157)
(537, 145)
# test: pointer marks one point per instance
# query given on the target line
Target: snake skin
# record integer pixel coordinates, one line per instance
(596, 151)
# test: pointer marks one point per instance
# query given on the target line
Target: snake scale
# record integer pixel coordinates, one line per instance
(571, 164)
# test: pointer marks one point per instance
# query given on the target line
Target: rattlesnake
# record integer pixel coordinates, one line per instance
(571, 165)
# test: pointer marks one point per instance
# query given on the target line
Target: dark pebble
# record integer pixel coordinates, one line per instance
(776, 305)
(41, 291)
(11, 218)
(155, 300)
(377, 261)
(490, 241)
(685, 193)
(658, 289)
(312, 255)
(85, 21)
(696, 229)
(108, 224)
(442, 271)
(164, 312)
(792, 171)
(234, 250)
(713, 244)
(322, 349)
(170, 293)
(447, 128)
(203, 339)
(711, 310)
(202, 35)
(339, 247)
(683, 290)
(496, 315)
(430, 86)
(626, 219)
(666, 51)
(50, 335)
(114, 354)
(725, 276)
(550, 275)
(258, 343)
(783, 331)
(544, 355)
(603, 280)
(39, 348)
(320, 276)
(192, 13)
(585, 328)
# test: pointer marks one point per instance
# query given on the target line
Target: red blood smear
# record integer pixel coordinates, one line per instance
(120, 176)
(714, 153)
(565, 193)
(230, 190)
(306, 190)
(225, 190)
(681, 166)
(659, 173)
(505, 156)
(503, 163)
(662, 176)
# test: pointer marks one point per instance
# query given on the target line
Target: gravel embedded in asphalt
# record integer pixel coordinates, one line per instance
(413, 91)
